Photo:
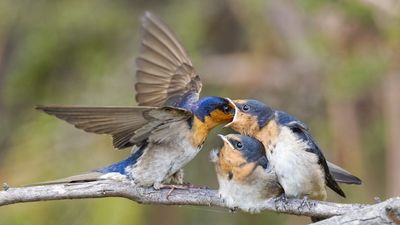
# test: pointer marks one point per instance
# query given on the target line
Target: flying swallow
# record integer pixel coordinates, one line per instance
(171, 123)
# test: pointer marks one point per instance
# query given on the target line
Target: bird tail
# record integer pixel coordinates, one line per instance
(341, 175)
(315, 219)
(85, 177)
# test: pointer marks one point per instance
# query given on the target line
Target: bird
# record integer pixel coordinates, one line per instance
(171, 122)
(245, 176)
(301, 168)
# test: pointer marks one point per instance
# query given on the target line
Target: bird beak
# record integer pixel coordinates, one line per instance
(225, 140)
(236, 113)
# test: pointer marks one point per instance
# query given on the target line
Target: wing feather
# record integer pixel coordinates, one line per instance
(164, 71)
(127, 125)
(119, 122)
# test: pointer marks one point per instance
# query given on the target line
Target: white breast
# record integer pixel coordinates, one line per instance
(250, 194)
(162, 160)
(298, 171)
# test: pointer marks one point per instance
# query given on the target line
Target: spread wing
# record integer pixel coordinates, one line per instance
(302, 132)
(165, 74)
(119, 122)
(127, 125)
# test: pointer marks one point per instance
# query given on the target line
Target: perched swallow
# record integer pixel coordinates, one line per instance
(169, 127)
(245, 176)
(299, 163)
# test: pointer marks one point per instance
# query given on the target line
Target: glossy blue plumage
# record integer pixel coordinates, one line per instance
(252, 148)
(257, 109)
(120, 166)
(188, 100)
(286, 119)
(204, 106)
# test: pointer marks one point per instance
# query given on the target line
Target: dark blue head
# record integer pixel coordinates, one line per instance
(250, 149)
(251, 116)
(216, 109)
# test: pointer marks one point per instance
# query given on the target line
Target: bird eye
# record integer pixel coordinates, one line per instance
(245, 108)
(226, 108)
(239, 145)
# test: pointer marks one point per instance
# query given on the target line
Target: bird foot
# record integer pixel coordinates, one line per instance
(305, 202)
(281, 200)
(172, 187)
(233, 210)
(189, 185)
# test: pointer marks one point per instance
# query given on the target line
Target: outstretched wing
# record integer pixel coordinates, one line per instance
(119, 122)
(127, 125)
(303, 134)
(165, 74)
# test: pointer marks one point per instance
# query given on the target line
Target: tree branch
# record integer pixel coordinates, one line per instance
(190, 196)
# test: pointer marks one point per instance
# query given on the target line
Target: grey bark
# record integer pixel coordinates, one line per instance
(340, 213)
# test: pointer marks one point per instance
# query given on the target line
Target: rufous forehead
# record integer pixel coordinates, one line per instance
(232, 156)
(245, 119)
(234, 137)
(239, 101)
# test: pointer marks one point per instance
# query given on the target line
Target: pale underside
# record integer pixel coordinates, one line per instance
(298, 171)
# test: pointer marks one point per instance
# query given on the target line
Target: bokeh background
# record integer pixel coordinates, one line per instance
(333, 64)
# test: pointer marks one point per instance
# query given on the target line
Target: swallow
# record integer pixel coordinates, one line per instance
(245, 176)
(299, 163)
(171, 123)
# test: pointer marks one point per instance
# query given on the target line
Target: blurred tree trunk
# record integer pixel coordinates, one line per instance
(345, 128)
(7, 43)
(391, 104)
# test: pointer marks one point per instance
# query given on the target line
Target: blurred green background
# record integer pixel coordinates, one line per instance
(333, 64)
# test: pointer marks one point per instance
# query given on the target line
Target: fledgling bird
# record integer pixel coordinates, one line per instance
(246, 178)
(171, 123)
(299, 163)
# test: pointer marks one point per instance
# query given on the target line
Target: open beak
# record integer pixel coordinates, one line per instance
(225, 140)
(236, 113)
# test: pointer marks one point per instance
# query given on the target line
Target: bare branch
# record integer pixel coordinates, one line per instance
(190, 196)
(387, 212)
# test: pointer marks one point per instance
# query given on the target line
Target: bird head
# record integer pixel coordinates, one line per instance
(212, 111)
(239, 156)
(250, 116)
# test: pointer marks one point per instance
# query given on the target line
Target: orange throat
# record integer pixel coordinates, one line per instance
(232, 162)
(200, 131)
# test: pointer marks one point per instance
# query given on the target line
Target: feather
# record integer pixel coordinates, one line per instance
(85, 177)
(164, 70)
(342, 176)
(119, 122)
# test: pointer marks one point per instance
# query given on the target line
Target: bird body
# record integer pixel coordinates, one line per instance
(165, 139)
(298, 171)
(299, 163)
(171, 123)
(245, 177)
(161, 161)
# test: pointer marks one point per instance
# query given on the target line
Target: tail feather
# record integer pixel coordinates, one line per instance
(341, 175)
(85, 177)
